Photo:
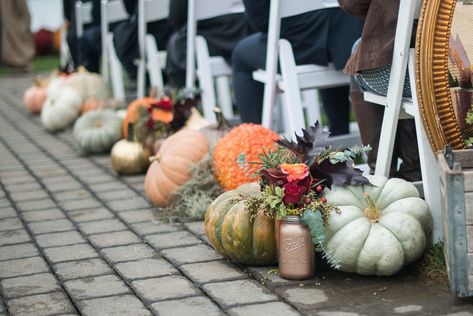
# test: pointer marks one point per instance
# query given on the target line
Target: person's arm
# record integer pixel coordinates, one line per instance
(357, 8)
(178, 13)
(257, 12)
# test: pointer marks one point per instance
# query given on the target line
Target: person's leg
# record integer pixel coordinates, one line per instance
(176, 59)
(369, 117)
(408, 151)
(337, 107)
(248, 56)
(90, 49)
(126, 47)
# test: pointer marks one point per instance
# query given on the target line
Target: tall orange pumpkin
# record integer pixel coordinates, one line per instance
(172, 165)
(248, 139)
(132, 112)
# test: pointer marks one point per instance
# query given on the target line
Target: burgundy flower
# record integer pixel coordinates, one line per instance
(165, 104)
(292, 193)
(305, 184)
(274, 176)
(150, 123)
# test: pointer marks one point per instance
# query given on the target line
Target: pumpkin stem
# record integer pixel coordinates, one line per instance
(372, 212)
(81, 70)
(39, 82)
(131, 132)
(222, 123)
(154, 158)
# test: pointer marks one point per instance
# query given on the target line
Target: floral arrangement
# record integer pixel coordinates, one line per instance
(295, 175)
(168, 115)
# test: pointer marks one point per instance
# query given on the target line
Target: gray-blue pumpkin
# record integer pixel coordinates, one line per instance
(96, 131)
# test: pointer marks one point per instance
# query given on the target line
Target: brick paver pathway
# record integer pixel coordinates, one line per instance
(77, 239)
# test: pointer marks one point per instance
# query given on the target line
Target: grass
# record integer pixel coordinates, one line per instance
(432, 265)
(39, 64)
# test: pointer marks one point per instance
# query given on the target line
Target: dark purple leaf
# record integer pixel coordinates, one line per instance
(341, 173)
(313, 141)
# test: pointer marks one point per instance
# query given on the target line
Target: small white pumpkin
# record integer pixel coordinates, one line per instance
(96, 131)
(380, 227)
(88, 84)
(61, 108)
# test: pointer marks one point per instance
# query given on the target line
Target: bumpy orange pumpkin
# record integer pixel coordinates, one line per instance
(248, 139)
(132, 113)
(172, 165)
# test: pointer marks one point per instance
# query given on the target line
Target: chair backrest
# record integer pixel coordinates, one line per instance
(83, 16)
(202, 10)
(278, 10)
(289, 8)
(111, 11)
(148, 11)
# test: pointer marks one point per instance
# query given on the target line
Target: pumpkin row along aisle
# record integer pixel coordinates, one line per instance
(243, 180)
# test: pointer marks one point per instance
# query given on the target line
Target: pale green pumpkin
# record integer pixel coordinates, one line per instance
(380, 228)
(96, 131)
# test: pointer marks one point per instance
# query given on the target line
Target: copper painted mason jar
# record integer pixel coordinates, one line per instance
(296, 250)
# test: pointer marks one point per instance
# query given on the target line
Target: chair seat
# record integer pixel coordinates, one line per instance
(310, 76)
(407, 107)
(220, 67)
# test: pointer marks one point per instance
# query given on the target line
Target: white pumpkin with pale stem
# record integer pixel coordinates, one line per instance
(88, 84)
(380, 227)
(61, 108)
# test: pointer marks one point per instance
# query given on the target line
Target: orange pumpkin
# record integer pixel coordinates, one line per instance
(132, 113)
(34, 96)
(248, 139)
(171, 167)
(92, 103)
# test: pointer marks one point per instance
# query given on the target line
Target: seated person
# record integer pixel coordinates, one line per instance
(372, 57)
(317, 37)
(125, 37)
(222, 34)
(86, 50)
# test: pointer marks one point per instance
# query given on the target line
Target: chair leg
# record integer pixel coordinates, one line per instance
(224, 96)
(116, 72)
(206, 82)
(312, 106)
(292, 93)
(428, 162)
(154, 68)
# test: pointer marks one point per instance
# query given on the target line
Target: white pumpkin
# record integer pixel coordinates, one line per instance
(380, 227)
(96, 131)
(55, 84)
(88, 84)
(61, 108)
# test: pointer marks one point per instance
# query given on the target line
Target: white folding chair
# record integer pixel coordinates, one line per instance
(399, 108)
(211, 70)
(83, 16)
(112, 11)
(295, 81)
(150, 57)
(64, 52)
